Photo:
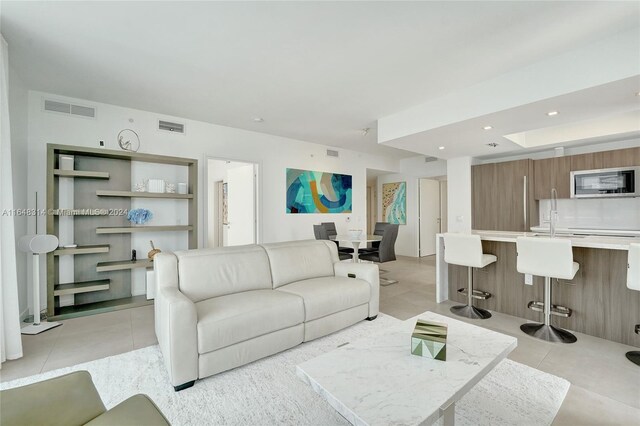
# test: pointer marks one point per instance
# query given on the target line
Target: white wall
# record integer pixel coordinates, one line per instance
(18, 100)
(412, 169)
(459, 194)
(416, 166)
(273, 153)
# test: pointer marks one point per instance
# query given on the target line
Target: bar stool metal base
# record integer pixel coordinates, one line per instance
(634, 357)
(470, 312)
(548, 333)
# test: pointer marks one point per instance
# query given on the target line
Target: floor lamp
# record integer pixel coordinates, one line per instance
(37, 245)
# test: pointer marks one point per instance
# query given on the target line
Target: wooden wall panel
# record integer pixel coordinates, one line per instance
(601, 303)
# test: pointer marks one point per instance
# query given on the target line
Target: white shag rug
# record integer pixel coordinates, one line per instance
(268, 392)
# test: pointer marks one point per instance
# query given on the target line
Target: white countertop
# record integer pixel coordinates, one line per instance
(588, 241)
(588, 231)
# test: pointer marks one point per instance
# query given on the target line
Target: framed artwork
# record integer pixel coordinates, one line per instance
(318, 192)
(394, 202)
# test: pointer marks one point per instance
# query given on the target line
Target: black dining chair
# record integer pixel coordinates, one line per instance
(386, 250)
(332, 232)
(320, 233)
(379, 231)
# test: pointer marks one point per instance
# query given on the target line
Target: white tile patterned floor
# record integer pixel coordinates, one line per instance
(605, 387)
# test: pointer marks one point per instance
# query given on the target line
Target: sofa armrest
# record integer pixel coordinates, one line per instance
(365, 271)
(68, 400)
(137, 410)
(176, 321)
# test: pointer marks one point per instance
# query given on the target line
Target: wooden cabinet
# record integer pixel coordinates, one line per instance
(552, 173)
(484, 197)
(589, 161)
(498, 189)
(621, 158)
(502, 196)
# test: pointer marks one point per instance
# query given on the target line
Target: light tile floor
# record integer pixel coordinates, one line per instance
(605, 387)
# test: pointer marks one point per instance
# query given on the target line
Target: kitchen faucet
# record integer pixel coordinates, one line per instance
(553, 214)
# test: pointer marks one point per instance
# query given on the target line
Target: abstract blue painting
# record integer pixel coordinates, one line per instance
(318, 192)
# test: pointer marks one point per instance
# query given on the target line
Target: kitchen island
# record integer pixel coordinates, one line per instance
(602, 304)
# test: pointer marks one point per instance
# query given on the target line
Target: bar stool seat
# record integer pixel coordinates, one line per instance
(548, 258)
(466, 250)
(633, 283)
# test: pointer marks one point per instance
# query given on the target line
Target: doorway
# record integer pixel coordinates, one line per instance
(430, 214)
(232, 205)
(373, 208)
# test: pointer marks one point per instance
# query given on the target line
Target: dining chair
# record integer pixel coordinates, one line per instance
(320, 233)
(386, 250)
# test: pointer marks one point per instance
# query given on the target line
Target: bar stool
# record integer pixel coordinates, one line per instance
(633, 283)
(466, 250)
(548, 258)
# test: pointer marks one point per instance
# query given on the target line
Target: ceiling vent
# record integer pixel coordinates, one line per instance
(429, 159)
(66, 108)
(332, 153)
(171, 127)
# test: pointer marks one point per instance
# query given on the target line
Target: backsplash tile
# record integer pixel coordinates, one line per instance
(594, 213)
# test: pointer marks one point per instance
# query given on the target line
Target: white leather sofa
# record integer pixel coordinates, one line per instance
(217, 309)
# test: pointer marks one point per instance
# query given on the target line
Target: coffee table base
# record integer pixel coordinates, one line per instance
(449, 415)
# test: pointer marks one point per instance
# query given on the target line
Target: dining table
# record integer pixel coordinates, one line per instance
(355, 242)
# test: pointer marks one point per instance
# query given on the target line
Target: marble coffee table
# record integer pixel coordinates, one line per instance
(376, 381)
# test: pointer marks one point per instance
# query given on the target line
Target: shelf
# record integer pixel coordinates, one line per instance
(142, 228)
(120, 265)
(80, 287)
(131, 194)
(80, 174)
(81, 212)
(89, 249)
(75, 311)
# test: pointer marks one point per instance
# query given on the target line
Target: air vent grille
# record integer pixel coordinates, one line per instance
(66, 108)
(57, 106)
(332, 153)
(171, 127)
(428, 159)
(83, 111)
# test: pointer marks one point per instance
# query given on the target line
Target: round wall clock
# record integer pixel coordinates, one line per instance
(129, 140)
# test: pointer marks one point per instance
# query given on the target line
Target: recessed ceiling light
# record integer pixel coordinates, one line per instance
(638, 94)
(552, 113)
(441, 147)
(258, 119)
(488, 127)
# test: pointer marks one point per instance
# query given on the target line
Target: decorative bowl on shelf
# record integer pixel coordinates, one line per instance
(354, 233)
(139, 216)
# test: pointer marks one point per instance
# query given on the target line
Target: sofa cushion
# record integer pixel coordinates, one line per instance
(300, 260)
(234, 318)
(207, 273)
(328, 295)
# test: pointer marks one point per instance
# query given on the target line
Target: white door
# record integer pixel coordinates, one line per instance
(241, 202)
(429, 215)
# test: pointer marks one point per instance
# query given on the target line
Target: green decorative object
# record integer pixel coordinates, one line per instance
(429, 339)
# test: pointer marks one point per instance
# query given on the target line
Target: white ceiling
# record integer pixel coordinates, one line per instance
(583, 115)
(315, 71)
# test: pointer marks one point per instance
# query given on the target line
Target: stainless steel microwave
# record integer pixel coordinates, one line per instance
(617, 182)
